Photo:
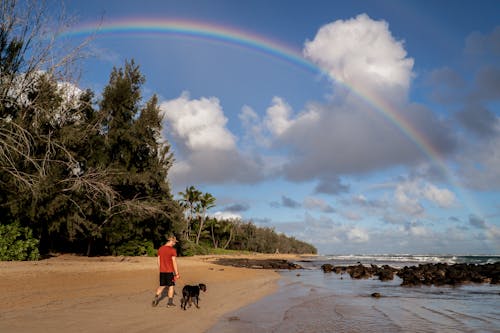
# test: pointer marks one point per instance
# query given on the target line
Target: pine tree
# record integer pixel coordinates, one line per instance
(139, 160)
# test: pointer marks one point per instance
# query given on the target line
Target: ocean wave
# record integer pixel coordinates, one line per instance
(410, 258)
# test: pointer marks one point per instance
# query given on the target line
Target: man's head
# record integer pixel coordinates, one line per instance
(171, 239)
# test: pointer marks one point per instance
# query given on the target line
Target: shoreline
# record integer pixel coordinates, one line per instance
(312, 301)
(114, 294)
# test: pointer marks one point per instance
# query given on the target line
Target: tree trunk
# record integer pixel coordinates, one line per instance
(89, 246)
(202, 221)
(229, 239)
(213, 236)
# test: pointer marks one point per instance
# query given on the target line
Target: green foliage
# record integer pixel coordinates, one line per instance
(135, 248)
(220, 251)
(265, 240)
(17, 243)
(84, 180)
(191, 249)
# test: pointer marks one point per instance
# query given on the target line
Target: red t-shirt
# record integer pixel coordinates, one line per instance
(166, 253)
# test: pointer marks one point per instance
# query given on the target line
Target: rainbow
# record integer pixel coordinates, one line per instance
(195, 30)
(266, 46)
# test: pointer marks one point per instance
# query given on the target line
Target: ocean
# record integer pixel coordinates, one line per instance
(309, 300)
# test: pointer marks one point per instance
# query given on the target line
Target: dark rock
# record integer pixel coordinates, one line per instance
(385, 273)
(327, 268)
(359, 271)
(258, 263)
(424, 274)
(443, 274)
(376, 295)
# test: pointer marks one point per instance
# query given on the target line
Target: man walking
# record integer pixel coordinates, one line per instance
(167, 265)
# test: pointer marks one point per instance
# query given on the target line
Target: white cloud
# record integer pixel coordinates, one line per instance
(362, 52)
(406, 196)
(254, 130)
(326, 141)
(409, 196)
(347, 136)
(277, 118)
(198, 124)
(350, 135)
(332, 237)
(206, 150)
(226, 216)
(444, 198)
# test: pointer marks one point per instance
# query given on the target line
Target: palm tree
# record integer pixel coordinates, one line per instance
(206, 201)
(189, 202)
(214, 224)
(229, 227)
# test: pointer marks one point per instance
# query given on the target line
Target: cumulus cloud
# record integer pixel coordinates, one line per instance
(198, 124)
(348, 135)
(332, 237)
(409, 196)
(226, 216)
(407, 201)
(323, 141)
(277, 117)
(206, 151)
(331, 140)
(362, 52)
(255, 133)
(442, 197)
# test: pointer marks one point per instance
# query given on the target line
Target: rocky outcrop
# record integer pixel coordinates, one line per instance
(384, 273)
(424, 274)
(258, 263)
(444, 274)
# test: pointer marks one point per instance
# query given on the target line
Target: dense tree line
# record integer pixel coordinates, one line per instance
(231, 234)
(89, 175)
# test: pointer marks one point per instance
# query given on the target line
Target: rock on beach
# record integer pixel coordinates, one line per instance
(424, 274)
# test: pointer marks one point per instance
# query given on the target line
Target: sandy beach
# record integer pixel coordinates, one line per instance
(113, 294)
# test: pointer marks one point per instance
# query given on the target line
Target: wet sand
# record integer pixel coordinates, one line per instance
(312, 301)
(114, 294)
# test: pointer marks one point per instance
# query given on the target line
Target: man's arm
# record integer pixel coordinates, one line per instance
(174, 262)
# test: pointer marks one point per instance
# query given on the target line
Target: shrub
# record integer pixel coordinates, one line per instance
(189, 249)
(135, 248)
(17, 243)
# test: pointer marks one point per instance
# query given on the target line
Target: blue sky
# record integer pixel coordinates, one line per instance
(391, 146)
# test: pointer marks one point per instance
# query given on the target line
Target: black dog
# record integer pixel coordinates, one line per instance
(190, 293)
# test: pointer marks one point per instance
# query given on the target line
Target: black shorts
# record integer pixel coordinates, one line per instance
(167, 279)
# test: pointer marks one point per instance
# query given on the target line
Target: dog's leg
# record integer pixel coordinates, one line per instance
(196, 299)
